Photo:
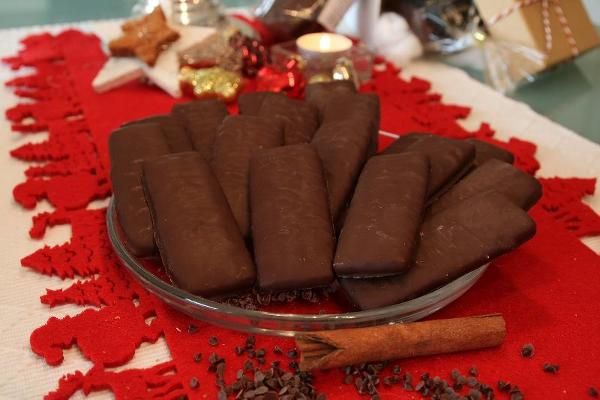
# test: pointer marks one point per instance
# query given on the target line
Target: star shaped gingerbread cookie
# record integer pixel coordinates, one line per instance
(144, 38)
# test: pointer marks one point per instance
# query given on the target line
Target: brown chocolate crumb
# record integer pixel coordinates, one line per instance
(213, 341)
(527, 350)
(472, 381)
(504, 386)
(551, 368)
(277, 350)
(593, 392)
(194, 383)
(515, 393)
(192, 328)
(473, 371)
(293, 353)
(250, 342)
(197, 357)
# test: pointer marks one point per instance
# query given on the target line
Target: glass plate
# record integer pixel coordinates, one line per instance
(275, 323)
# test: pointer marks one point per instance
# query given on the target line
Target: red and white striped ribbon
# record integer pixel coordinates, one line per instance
(560, 14)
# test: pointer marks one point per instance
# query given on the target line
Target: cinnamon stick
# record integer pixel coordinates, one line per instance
(342, 347)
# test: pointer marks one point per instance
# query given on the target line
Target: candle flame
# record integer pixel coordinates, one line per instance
(325, 43)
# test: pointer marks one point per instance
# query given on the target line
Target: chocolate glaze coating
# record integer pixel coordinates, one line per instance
(251, 103)
(497, 176)
(381, 229)
(486, 151)
(321, 93)
(449, 159)
(291, 226)
(129, 146)
(237, 139)
(299, 118)
(197, 237)
(361, 109)
(201, 119)
(345, 140)
(453, 242)
(174, 132)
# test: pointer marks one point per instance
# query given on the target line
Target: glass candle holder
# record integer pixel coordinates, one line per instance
(358, 54)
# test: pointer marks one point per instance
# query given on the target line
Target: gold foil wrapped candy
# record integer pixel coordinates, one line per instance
(210, 83)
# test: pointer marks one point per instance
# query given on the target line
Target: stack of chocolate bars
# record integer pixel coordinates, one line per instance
(291, 194)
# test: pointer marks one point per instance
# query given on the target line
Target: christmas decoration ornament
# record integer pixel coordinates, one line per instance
(215, 82)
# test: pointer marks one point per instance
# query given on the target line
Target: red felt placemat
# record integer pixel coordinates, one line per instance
(547, 289)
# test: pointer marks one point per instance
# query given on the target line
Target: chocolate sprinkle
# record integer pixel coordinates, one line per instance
(504, 386)
(192, 328)
(593, 392)
(197, 357)
(551, 368)
(194, 383)
(213, 341)
(472, 381)
(473, 371)
(293, 353)
(515, 393)
(527, 350)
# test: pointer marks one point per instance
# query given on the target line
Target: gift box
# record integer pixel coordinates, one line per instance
(560, 29)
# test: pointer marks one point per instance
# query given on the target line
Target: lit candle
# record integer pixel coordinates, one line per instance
(329, 45)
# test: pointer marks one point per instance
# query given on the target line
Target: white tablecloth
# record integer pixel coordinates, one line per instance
(23, 375)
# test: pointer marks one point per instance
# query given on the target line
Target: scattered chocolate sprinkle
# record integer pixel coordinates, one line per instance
(277, 350)
(515, 394)
(239, 350)
(250, 342)
(293, 365)
(293, 353)
(527, 350)
(261, 352)
(593, 392)
(473, 371)
(192, 328)
(213, 358)
(396, 369)
(251, 353)
(197, 357)
(213, 341)
(254, 299)
(551, 368)
(419, 386)
(504, 386)
(194, 383)
(455, 374)
(472, 381)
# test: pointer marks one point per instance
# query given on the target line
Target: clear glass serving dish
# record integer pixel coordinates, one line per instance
(280, 323)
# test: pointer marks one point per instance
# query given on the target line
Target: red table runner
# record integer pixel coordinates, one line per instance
(547, 289)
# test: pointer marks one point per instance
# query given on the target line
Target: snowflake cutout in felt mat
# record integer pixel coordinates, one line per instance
(73, 172)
